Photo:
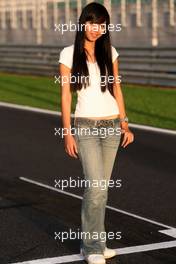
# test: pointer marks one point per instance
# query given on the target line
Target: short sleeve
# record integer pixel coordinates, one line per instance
(66, 57)
(115, 54)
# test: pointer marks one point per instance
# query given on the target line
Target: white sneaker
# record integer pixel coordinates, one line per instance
(109, 253)
(93, 258)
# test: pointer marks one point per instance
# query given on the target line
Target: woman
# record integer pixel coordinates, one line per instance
(100, 105)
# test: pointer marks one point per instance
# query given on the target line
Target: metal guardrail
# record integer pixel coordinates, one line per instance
(151, 66)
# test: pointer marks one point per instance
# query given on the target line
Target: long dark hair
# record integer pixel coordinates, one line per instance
(98, 14)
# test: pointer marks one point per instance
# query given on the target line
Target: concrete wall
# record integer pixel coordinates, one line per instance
(130, 36)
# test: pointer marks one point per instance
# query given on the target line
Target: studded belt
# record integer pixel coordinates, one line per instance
(95, 123)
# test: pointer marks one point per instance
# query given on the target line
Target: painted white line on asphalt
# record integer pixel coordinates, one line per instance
(169, 232)
(50, 187)
(119, 251)
(45, 111)
(109, 207)
(153, 129)
(29, 108)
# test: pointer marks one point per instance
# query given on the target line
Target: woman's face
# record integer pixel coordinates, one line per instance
(94, 31)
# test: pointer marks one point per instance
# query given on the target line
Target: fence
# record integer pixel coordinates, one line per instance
(152, 66)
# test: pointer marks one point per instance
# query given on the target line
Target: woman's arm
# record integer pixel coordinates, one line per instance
(66, 101)
(129, 136)
(66, 96)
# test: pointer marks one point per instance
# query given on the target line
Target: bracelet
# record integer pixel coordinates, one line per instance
(125, 119)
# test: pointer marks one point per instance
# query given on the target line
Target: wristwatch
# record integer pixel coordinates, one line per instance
(125, 119)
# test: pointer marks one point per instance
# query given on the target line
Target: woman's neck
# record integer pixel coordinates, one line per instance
(89, 45)
(90, 50)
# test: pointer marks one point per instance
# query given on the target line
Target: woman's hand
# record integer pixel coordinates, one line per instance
(128, 135)
(70, 145)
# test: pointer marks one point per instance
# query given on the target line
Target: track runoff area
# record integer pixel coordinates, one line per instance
(142, 210)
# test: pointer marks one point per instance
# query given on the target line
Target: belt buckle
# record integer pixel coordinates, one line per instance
(97, 123)
(105, 123)
(110, 123)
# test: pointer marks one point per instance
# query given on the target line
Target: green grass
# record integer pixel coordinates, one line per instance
(144, 104)
(151, 105)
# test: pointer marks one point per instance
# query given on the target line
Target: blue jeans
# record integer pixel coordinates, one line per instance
(97, 152)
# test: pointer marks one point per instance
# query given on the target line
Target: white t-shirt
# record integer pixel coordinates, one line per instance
(91, 101)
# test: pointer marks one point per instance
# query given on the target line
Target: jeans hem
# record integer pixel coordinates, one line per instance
(87, 253)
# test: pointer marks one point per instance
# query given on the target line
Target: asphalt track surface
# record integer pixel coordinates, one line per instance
(30, 214)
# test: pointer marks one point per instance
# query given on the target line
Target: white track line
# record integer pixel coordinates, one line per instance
(29, 108)
(109, 207)
(119, 251)
(45, 111)
(169, 232)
